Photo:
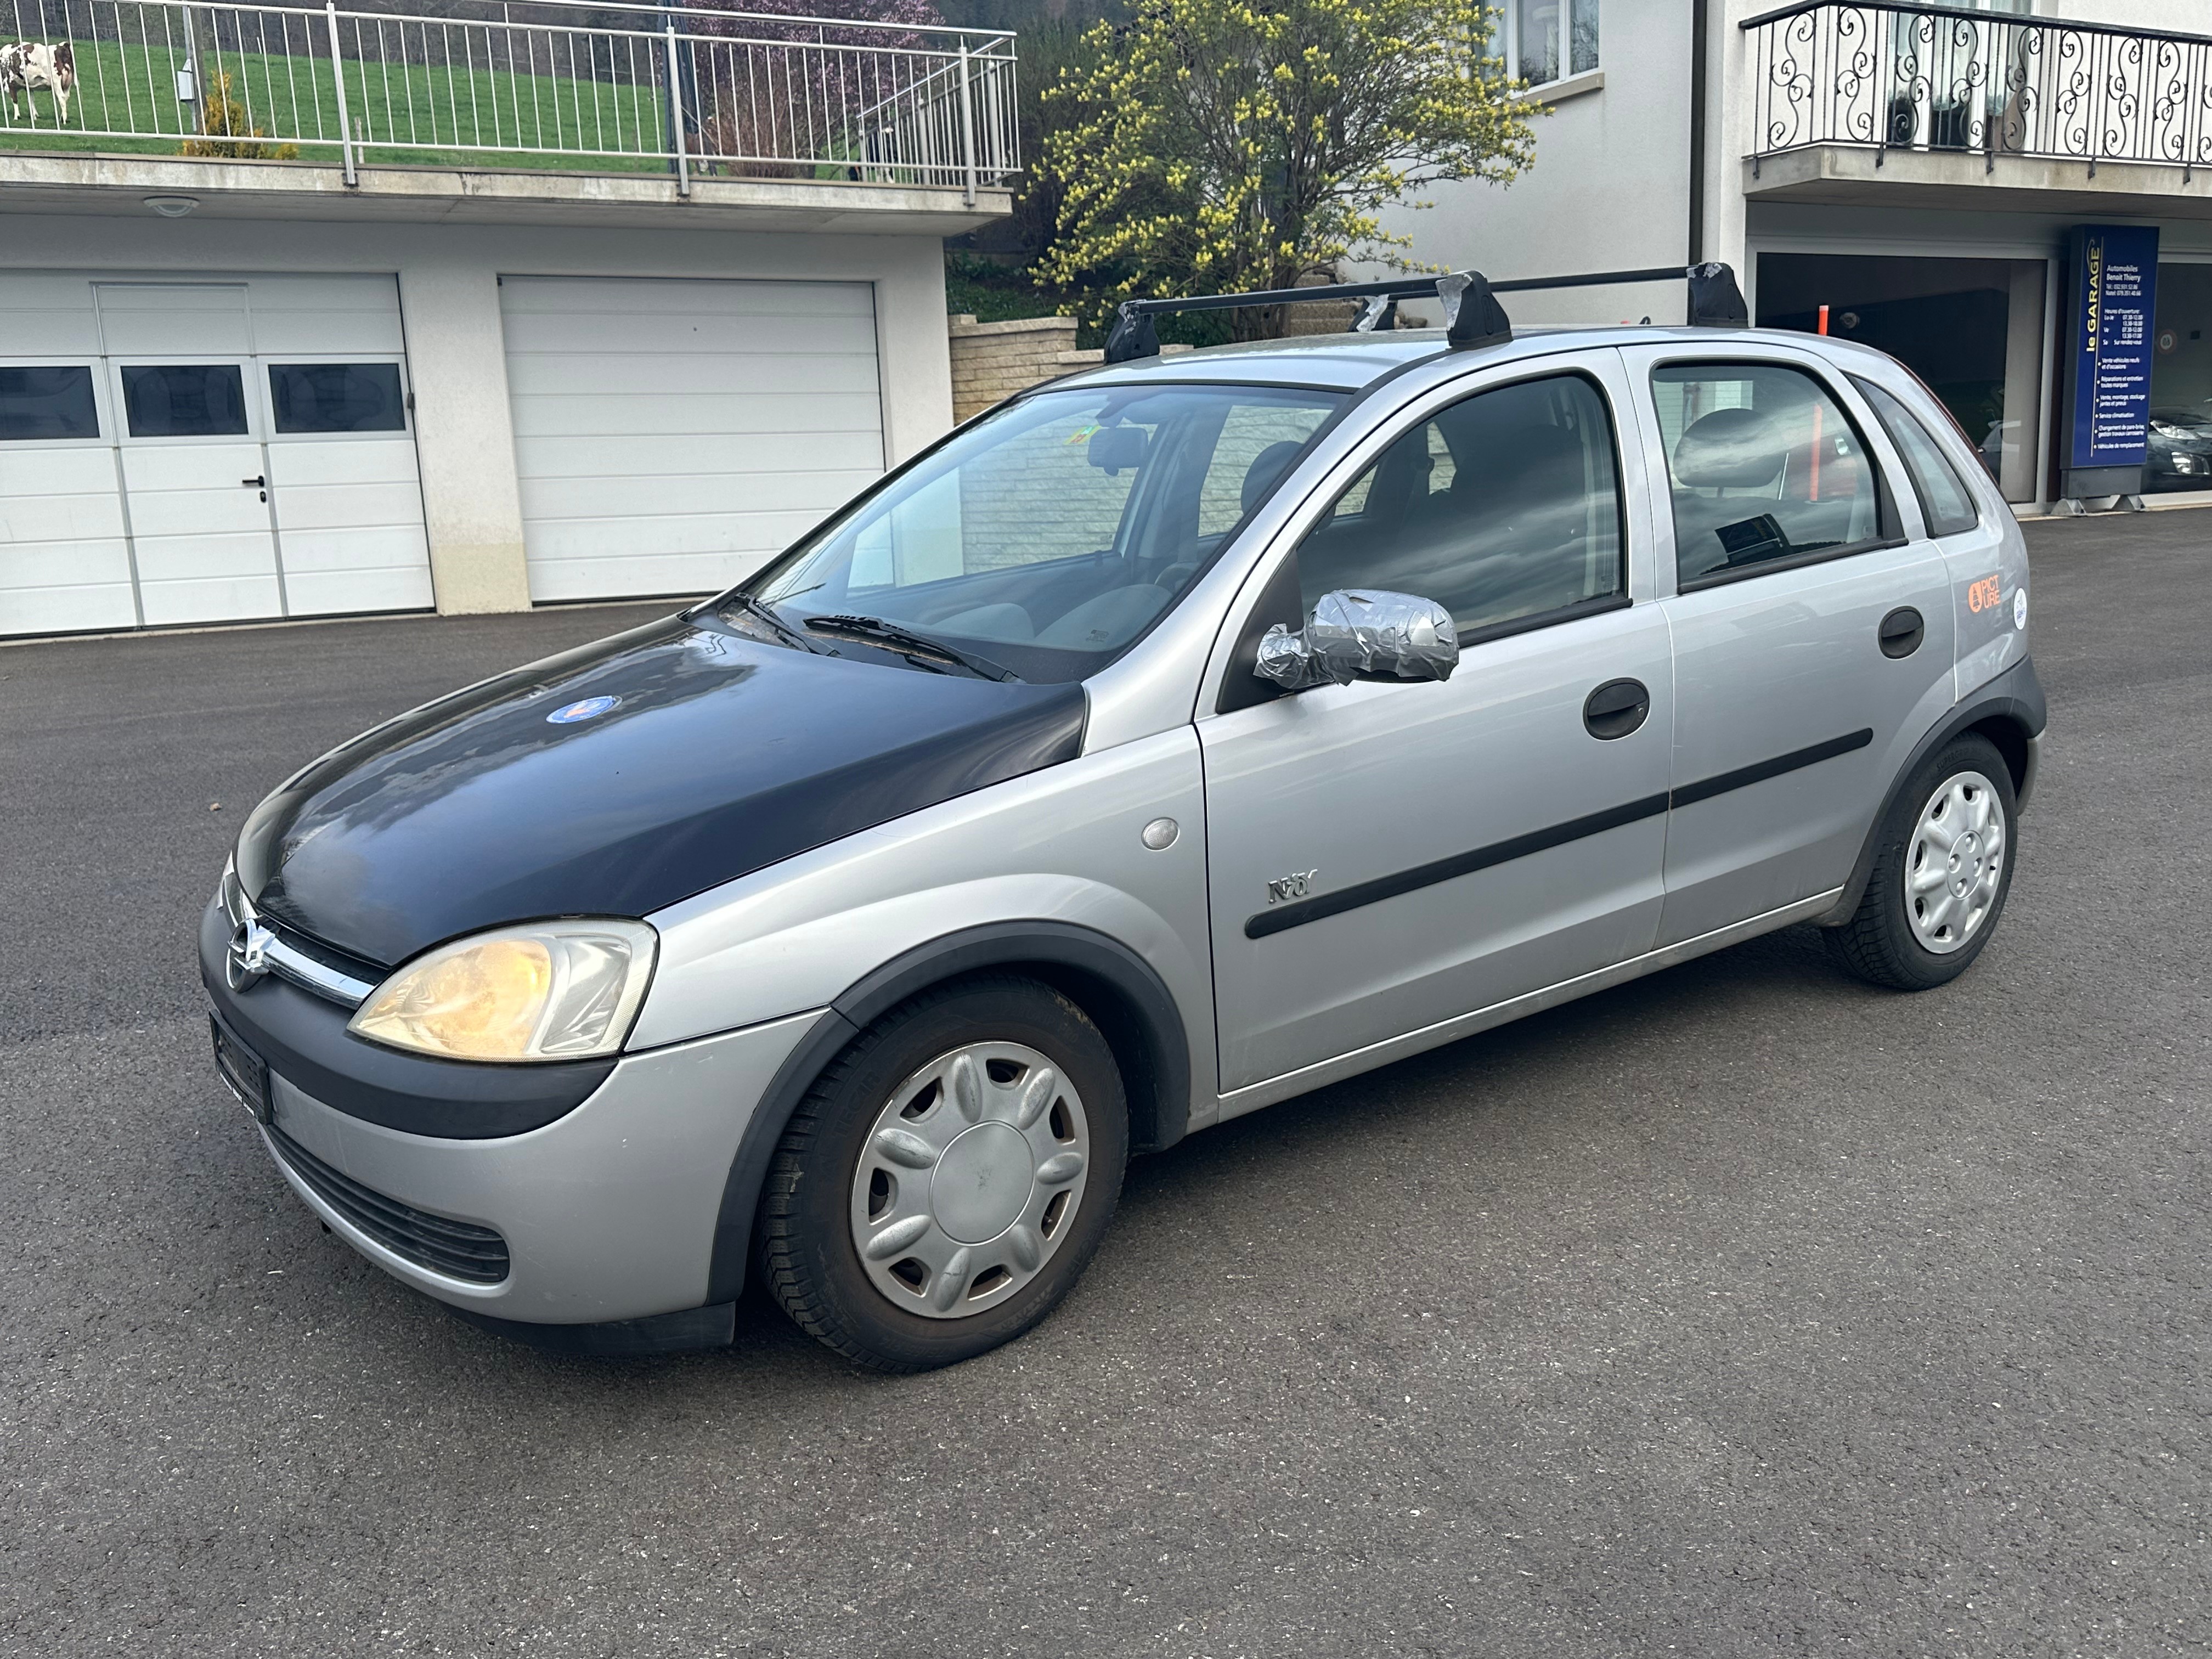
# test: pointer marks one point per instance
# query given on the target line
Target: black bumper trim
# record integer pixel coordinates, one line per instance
(437, 1243)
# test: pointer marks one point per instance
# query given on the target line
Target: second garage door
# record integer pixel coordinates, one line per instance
(671, 436)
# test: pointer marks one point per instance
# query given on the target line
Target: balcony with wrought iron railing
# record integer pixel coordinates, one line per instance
(689, 93)
(1954, 93)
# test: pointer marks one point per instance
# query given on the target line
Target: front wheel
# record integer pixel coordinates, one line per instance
(948, 1178)
(1942, 868)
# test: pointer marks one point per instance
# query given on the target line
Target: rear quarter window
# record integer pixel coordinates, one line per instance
(1945, 500)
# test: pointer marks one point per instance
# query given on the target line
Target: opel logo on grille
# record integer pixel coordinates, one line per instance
(247, 962)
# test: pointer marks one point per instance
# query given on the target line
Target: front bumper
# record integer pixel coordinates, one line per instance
(607, 1213)
(553, 1195)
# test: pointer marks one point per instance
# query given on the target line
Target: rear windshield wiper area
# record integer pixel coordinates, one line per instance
(874, 630)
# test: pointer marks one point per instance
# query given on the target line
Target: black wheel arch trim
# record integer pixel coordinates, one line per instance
(1129, 999)
(2014, 699)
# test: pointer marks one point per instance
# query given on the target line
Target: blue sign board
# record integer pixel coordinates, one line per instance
(2115, 297)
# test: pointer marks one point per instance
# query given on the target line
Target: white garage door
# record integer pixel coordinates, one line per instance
(671, 436)
(201, 451)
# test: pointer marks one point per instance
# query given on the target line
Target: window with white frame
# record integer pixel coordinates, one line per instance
(1553, 38)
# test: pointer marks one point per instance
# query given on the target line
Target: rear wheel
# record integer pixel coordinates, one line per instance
(1941, 870)
(947, 1179)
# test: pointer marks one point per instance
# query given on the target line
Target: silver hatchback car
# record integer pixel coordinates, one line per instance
(1168, 741)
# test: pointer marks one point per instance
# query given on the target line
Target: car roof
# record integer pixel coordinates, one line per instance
(1346, 362)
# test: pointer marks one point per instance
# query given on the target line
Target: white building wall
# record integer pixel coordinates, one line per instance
(1609, 190)
(449, 301)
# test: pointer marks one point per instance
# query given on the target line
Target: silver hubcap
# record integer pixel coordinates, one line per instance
(969, 1180)
(1953, 866)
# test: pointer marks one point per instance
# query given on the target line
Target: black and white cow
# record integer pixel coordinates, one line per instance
(28, 65)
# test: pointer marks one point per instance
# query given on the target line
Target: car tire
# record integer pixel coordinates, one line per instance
(1930, 909)
(948, 1177)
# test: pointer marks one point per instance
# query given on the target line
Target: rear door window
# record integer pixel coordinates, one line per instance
(1945, 503)
(1764, 465)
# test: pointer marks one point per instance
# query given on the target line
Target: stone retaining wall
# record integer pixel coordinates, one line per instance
(991, 361)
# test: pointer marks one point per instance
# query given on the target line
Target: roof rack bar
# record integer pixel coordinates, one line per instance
(1714, 299)
(1404, 288)
(1589, 279)
(1473, 316)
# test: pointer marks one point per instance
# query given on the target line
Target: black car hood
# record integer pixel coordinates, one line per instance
(686, 755)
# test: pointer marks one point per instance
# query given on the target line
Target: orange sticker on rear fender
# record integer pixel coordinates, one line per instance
(1985, 595)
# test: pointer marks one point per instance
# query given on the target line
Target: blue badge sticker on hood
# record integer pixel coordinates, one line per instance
(569, 713)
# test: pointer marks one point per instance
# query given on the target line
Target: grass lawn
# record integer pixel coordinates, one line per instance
(483, 117)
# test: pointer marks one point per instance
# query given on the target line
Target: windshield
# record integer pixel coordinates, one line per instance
(1041, 541)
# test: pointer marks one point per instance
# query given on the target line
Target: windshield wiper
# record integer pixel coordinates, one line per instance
(874, 630)
(760, 608)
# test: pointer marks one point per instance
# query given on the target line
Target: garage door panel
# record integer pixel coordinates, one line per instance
(698, 532)
(338, 506)
(331, 593)
(672, 436)
(589, 498)
(173, 604)
(647, 334)
(67, 608)
(190, 466)
(730, 416)
(64, 563)
(185, 513)
(587, 298)
(55, 519)
(217, 556)
(674, 575)
(76, 517)
(326, 316)
(31, 469)
(357, 547)
(53, 308)
(758, 373)
(182, 322)
(636, 463)
(350, 460)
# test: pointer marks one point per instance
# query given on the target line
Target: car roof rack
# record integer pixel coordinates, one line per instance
(1473, 316)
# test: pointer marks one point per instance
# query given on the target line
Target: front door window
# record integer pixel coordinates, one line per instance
(1501, 508)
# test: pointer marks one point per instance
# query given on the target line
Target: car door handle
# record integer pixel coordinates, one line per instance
(254, 483)
(1616, 708)
(1901, 632)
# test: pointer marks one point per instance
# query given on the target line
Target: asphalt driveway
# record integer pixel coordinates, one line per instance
(1743, 1311)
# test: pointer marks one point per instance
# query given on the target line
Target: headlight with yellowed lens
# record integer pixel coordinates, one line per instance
(556, 990)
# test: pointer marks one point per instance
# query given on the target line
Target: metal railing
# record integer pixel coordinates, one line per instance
(569, 85)
(1946, 78)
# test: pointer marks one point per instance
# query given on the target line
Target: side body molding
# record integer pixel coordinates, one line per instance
(1123, 991)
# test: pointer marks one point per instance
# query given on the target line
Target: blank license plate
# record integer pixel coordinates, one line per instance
(246, 1071)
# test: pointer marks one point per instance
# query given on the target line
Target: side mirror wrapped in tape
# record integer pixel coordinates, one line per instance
(1362, 634)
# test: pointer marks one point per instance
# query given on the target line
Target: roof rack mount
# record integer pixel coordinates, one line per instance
(1473, 316)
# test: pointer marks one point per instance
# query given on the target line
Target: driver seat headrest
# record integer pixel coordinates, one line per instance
(1268, 467)
(1730, 449)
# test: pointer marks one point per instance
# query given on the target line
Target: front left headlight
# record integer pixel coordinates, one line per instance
(553, 990)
